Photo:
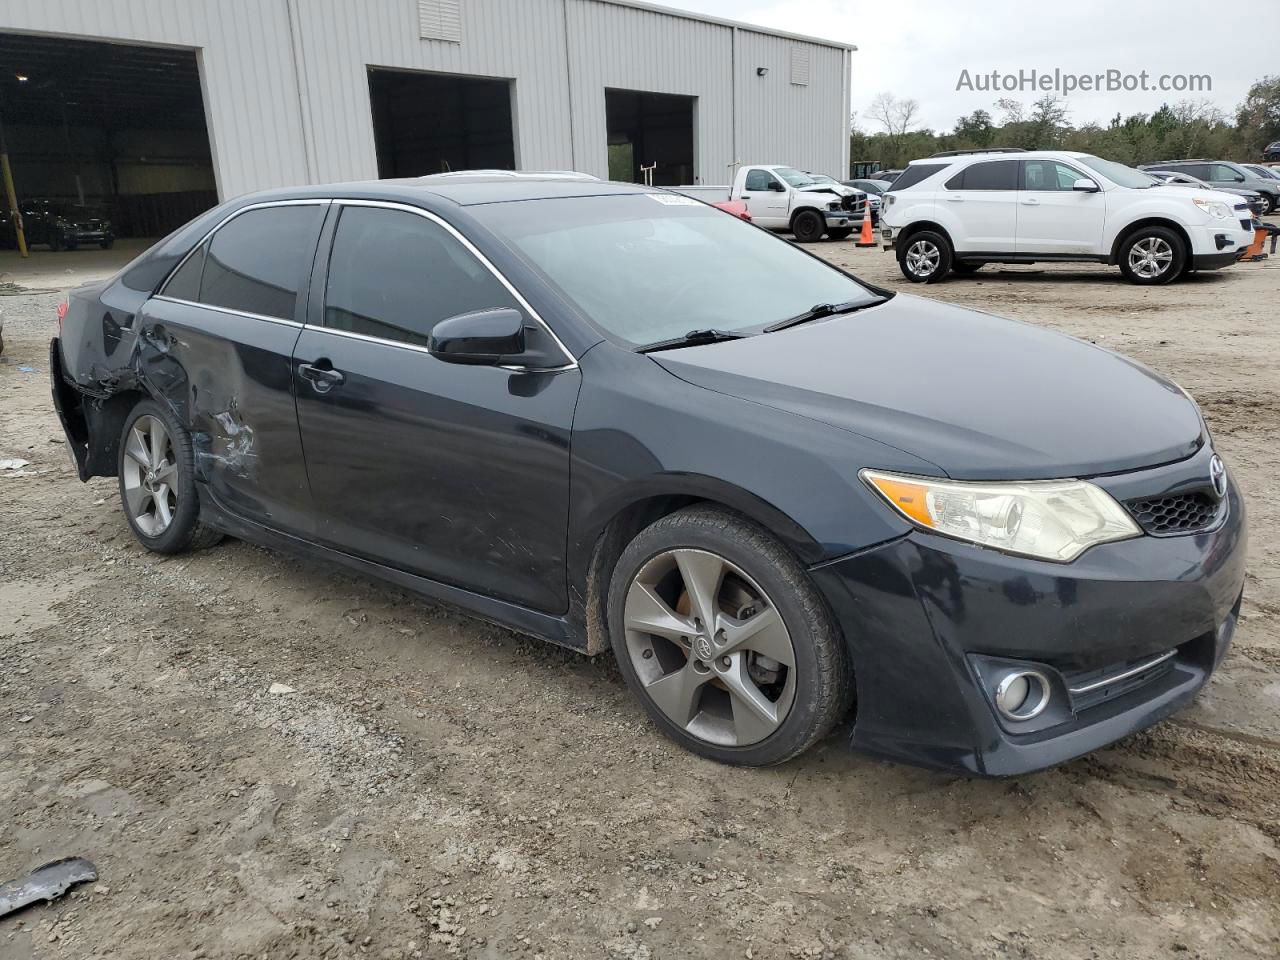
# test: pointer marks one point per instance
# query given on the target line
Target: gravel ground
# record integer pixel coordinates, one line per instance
(438, 787)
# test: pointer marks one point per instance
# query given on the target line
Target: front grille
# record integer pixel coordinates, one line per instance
(1088, 688)
(1169, 516)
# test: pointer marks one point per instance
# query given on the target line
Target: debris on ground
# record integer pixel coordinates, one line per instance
(46, 883)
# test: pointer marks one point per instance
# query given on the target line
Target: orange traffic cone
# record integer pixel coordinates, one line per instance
(1255, 249)
(867, 238)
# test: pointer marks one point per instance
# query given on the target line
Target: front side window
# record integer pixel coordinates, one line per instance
(1049, 175)
(759, 179)
(259, 261)
(645, 269)
(1221, 173)
(394, 275)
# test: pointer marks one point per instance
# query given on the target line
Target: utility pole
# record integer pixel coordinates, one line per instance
(10, 194)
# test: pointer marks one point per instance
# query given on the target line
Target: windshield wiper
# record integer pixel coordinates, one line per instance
(820, 310)
(692, 338)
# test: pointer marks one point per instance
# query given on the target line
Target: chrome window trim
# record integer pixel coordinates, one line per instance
(228, 310)
(1120, 677)
(484, 261)
(418, 348)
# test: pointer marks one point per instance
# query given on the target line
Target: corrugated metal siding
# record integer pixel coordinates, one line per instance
(246, 65)
(783, 122)
(269, 131)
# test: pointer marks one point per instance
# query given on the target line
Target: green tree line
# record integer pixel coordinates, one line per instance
(1184, 129)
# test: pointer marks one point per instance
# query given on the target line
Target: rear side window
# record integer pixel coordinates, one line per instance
(185, 282)
(259, 261)
(394, 275)
(989, 175)
(915, 173)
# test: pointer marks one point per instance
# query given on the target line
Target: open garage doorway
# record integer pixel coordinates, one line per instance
(646, 129)
(433, 122)
(102, 132)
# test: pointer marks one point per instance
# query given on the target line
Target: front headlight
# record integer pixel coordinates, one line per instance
(1213, 208)
(1052, 519)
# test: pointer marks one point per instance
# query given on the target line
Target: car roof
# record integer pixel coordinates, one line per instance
(1004, 154)
(464, 188)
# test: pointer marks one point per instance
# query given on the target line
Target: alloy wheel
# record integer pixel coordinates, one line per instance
(150, 476)
(710, 649)
(922, 258)
(1150, 257)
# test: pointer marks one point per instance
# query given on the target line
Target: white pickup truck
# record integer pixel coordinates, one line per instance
(784, 198)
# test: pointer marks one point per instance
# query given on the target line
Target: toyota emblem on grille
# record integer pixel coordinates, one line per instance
(1218, 476)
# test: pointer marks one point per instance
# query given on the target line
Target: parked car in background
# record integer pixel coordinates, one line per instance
(1271, 152)
(1223, 173)
(888, 176)
(614, 418)
(63, 225)
(784, 198)
(1267, 173)
(959, 212)
(1254, 200)
(874, 189)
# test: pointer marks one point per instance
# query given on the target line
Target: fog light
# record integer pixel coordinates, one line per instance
(1022, 694)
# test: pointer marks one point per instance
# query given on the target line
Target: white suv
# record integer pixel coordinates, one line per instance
(958, 211)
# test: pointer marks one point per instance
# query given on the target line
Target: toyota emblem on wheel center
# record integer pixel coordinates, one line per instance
(1218, 476)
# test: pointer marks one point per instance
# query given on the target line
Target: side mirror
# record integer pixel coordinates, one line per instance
(1085, 185)
(775, 186)
(480, 338)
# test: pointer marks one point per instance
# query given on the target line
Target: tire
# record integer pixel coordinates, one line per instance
(840, 233)
(143, 486)
(55, 243)
(961, 266)
(925, 257)
(808, 226)
(1151, 256)
(107, 243)
(1268, 204)
(797, 703)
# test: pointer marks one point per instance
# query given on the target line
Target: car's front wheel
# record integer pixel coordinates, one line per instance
(1152, 256)
(808, 226)
(1268, 204)
(728, 645)
(925, 257)
(157, 482)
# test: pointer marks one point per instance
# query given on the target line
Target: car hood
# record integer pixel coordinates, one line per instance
(840, 190)
(979, 396)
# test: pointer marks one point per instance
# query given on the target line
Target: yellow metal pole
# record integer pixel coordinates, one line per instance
(10, 194)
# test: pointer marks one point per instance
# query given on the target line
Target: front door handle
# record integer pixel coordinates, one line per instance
(954, 199)
(321, 374)
(1031, 202)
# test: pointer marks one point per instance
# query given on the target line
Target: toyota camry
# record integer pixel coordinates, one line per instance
(621, 420)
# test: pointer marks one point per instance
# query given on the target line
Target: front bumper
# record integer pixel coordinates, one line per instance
(924, 614)
(837, 219)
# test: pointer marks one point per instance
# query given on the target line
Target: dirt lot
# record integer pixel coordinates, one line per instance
(437, 787)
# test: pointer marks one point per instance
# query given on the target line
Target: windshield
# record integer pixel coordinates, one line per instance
(649, 267)
(794, 177)
(1118, 173)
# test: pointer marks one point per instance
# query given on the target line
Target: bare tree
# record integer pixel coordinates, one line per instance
(896, 116)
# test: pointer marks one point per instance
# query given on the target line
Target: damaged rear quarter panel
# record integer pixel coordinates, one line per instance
(228, 378)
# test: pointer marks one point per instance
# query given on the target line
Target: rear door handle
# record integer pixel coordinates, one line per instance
(321, 374)
(954, 199)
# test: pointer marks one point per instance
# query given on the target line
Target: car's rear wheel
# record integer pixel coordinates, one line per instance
(157, 482)
(1268, 204)
(925, 257)
(1152, 255)
(728, 645)
(808, 226)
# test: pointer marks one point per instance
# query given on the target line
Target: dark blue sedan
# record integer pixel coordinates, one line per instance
(617, 418)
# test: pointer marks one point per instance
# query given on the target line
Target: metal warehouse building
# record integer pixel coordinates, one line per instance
(161, 107)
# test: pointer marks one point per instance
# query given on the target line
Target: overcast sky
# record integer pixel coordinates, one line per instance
(918, 48)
